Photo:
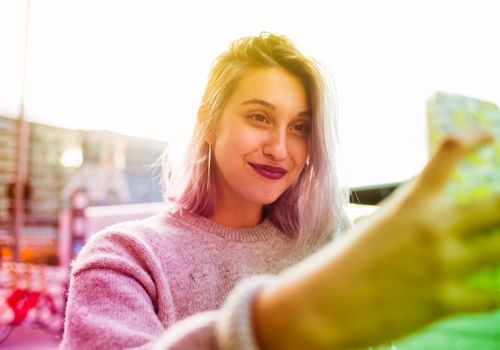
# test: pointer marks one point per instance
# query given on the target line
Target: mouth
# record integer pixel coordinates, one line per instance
(267, 171)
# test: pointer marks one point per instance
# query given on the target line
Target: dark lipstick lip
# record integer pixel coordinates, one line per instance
(268, 171)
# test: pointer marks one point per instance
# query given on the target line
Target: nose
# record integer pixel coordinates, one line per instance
(276, 145)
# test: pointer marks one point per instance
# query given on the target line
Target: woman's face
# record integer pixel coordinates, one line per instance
(261, 141)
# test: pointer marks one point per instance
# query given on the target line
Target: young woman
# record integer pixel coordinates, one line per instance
(243, 260)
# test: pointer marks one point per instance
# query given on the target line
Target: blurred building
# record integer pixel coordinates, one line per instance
(55, 156)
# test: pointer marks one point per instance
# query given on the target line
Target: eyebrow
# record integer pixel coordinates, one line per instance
(271, 106)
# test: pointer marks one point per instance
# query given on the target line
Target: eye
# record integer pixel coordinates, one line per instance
(301, 128)
(257, 117)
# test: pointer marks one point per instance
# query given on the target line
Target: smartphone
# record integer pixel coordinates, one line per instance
(477, 177)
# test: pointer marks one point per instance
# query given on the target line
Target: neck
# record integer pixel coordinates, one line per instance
(237, 216)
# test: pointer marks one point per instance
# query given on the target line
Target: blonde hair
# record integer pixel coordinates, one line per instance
(312, 207)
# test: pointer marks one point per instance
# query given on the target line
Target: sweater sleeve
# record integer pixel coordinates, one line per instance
(112, 305)
(112, 299)
(229, 328)
(107, 309)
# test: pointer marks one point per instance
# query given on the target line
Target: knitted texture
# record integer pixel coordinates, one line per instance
(235, 329)
(133, 282)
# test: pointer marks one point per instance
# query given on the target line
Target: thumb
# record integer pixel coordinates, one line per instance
(453, 148)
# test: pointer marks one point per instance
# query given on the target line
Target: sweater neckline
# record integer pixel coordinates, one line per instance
(263, 231)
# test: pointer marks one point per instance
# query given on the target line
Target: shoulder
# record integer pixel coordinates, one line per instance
(131, 243)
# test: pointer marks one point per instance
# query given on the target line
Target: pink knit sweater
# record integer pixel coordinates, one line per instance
(133, 282)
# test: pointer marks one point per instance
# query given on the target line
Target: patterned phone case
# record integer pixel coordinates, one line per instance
(477, 177)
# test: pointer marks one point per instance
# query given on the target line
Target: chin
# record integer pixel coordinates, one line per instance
(263, 195)
(267, 199)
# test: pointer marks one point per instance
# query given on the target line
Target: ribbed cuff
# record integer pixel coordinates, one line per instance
(235, 329)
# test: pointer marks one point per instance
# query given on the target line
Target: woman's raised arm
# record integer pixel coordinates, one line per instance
(399, 270)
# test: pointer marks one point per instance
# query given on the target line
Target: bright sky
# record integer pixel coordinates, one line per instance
(139, 67)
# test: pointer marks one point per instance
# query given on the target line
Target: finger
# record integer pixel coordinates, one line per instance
(478, 216)
(450, 152)
(458, 298)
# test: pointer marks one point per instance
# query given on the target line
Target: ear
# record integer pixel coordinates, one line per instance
(209, 136)
(202, 113)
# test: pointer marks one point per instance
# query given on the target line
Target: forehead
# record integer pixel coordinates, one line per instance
(273, 84)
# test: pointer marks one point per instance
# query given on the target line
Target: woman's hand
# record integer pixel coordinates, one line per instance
(401, 269)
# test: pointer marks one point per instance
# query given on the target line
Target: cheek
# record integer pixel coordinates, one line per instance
(299, 151)
(239, 141)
